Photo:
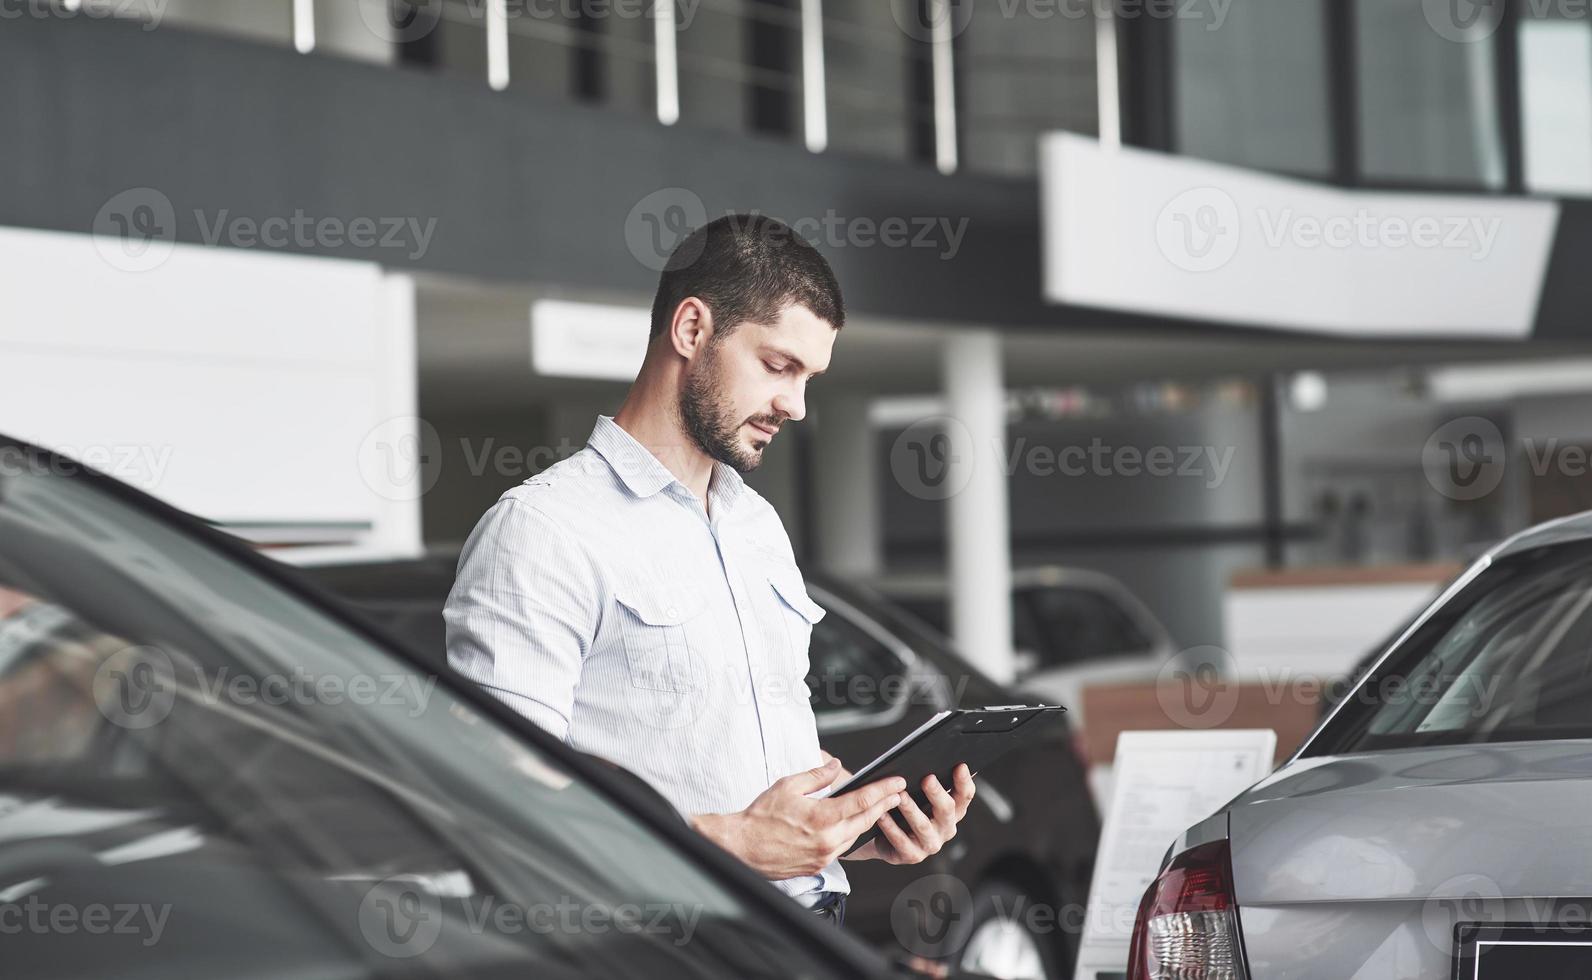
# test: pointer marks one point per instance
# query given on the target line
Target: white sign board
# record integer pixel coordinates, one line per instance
(588, 340)
(1165, 783)
(1149, 233)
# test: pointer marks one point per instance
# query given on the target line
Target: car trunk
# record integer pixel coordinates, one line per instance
(1361, 865)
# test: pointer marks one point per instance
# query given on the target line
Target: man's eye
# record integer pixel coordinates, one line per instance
(772, 368)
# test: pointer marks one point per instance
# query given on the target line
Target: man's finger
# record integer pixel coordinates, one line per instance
(906, 848)
(809, 780)
(923, 828)
(861, 800)
(855, 824)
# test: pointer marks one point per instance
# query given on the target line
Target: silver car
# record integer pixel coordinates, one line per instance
(1439, 822)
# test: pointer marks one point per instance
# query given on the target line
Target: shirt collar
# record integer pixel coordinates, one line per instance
(644, 474)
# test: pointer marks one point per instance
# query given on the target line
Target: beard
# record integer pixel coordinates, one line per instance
(710, 421)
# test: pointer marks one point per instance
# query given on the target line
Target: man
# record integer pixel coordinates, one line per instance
(640, 602)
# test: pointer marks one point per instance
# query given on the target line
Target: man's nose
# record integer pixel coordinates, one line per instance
(791, 404)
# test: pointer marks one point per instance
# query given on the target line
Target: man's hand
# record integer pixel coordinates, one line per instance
(929, 833)
(783, 834)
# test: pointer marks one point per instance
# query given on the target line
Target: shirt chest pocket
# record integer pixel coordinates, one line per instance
(655, 625)
(794, 615)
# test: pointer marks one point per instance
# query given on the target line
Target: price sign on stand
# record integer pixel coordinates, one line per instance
(1165, 782)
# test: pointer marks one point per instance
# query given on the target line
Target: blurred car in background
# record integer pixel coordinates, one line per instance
(1071, 628)
(209, 768)
(1027, 843)
(1443, 800)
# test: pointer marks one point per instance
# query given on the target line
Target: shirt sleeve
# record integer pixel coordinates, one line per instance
(523, 613)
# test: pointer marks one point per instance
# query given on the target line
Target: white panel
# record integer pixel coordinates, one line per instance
(588, 340)
(1295, 632)
(1556, 102)
(240, 386)
(1155, 234)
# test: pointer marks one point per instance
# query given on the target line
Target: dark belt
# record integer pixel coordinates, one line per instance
(831, 907)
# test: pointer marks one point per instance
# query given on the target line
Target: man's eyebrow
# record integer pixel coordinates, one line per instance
(800, 364)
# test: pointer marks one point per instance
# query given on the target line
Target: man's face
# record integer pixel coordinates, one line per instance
(743, 387)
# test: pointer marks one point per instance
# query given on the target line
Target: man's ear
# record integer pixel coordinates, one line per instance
(691, 328)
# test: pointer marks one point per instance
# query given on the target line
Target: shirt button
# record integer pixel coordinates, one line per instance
(673, 612)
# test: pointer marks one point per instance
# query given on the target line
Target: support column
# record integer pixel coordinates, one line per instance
(846, 484)
(978, 519)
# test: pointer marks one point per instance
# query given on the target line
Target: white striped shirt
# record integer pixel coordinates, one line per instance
(599, 600)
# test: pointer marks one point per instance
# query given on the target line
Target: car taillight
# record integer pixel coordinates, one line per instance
(1187, 927)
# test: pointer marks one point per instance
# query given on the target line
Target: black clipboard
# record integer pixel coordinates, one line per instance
(976, 736)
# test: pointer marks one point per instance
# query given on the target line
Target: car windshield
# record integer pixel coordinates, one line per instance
(1508, 658)
(202, 774)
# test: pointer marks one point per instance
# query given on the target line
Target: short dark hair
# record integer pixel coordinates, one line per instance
(747, 268)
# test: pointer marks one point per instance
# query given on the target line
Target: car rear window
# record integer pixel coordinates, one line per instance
(1508, 658)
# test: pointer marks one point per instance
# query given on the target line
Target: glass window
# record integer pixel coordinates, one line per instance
(1081, 625)
(873, 78)
(1024, 70)
(283, 796)
(1507, 659)
(850, 669)
(1428, 106)
(740, 65)
(1556, 103)
(1253, 90)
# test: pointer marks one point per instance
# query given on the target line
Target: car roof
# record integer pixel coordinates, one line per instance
(1565, 530)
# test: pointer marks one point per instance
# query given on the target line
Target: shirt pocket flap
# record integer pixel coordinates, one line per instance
(788, 583)
(660, 606)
